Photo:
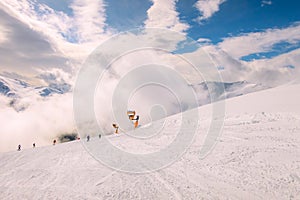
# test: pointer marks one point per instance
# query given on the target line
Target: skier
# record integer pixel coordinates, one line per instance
(19, 147)
(88, 138)
(99, 136)
(116, 127)
(33, 145)
(54, 142)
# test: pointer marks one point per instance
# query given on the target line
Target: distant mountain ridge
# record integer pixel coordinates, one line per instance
(11, 87)
(16, 89)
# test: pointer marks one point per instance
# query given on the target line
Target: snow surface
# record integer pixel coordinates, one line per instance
(256, 157)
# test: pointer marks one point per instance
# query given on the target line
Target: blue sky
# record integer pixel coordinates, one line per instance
(234, 17)
(62, 6)
(124, 15)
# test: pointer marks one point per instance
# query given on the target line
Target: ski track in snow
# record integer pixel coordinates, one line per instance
(256, 157)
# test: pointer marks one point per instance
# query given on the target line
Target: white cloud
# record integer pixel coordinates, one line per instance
(43, 121)
(39, 18)
(129, 74)
(208, 7)
(234, 70)
(65, 33)
(4, 32)
(264, 2)
(34, 40)
(66, 40)
(204, 40)
(250, 43)
(163, 14)
(276, 71)
(55, 76)
(269, 72)
(89, 19)
(25, 50)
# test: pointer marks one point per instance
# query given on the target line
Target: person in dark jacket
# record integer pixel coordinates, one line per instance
(116, 127)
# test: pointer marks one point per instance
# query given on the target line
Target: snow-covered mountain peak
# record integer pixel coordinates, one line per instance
(17, 90)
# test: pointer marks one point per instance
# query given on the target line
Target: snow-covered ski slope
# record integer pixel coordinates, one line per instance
(256, 157)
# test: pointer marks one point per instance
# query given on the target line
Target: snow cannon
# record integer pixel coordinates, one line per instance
(136, 123)
(131, 114)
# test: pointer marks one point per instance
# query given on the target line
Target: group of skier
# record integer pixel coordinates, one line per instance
(19, 146)
(131, 116)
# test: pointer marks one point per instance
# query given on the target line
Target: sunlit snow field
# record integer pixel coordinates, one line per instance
(257, 156)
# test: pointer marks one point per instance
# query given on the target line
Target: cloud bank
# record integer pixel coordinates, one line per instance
(42, 122)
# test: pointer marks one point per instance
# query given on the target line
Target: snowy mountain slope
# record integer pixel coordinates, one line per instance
(256, 157)
(19, 92)
(4, 89)
(18, 88)
(10, 87)
(53, 89)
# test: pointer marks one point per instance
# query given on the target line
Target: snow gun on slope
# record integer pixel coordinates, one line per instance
(131, 115)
